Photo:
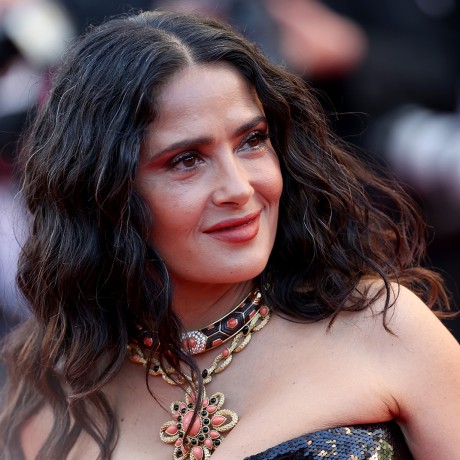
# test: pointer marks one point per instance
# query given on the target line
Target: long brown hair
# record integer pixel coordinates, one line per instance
(87, 267)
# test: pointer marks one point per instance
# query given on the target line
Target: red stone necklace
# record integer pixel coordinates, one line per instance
(215, 334)
(199, 440)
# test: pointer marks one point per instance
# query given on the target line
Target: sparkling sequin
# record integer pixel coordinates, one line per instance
(383, 441)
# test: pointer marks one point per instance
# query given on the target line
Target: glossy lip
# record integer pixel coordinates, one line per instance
(237, 230)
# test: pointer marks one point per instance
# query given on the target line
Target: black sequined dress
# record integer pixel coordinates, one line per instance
(381, 441)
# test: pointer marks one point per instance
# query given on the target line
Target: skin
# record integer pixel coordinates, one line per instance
(297, 378)
(206, 162)
(292, 378)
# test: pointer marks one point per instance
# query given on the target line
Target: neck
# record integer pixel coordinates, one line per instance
(198, 306)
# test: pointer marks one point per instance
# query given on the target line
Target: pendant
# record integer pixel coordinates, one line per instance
(204, 435)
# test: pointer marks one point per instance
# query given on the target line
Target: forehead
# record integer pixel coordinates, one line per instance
(209, 87)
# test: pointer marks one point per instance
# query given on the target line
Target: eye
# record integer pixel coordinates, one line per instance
(185, 161)
(189, 161)
(255, 139)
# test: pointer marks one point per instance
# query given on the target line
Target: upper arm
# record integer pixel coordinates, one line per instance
(424, 378)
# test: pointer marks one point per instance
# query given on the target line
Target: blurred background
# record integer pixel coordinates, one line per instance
(387, 74)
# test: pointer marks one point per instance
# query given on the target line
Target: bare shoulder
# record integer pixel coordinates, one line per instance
(409, 321)
(421, 359)
(407, 330)
(414, 340)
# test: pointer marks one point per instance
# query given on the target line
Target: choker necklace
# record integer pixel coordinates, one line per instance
(215, 334)
(205, 434)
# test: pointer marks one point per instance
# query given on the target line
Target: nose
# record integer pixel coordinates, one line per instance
(232, 182)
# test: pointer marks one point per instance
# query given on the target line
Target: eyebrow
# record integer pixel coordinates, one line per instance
(204, 140)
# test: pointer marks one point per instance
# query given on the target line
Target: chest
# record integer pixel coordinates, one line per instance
(277, 396)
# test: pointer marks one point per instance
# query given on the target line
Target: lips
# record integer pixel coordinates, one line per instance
(238, 230)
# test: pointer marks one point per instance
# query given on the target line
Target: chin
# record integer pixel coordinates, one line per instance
(239, 274)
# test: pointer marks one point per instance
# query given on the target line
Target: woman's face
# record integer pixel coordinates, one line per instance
(210, 177)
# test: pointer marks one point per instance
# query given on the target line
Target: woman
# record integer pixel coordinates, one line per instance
(175, 180)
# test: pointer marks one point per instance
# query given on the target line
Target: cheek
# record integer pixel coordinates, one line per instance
(175, 213)
(278, 187)
(272, 183)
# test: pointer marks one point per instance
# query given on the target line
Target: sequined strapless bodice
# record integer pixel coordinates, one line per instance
(382, 441)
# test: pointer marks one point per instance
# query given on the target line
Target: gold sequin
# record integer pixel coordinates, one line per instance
(382, 441)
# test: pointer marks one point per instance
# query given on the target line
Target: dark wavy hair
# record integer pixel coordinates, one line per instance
(87, 267)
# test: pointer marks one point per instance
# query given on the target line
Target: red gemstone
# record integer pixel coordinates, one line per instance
(148, 342)
(212, 409)
(214, 434)
(190, 343)
(218, 420)
(172, 430)
(232, 323)
(197, 453)
(208, 443)
(196, 424)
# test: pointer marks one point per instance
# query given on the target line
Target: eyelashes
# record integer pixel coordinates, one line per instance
(186, 161)
(191, 159)
(256, 138)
